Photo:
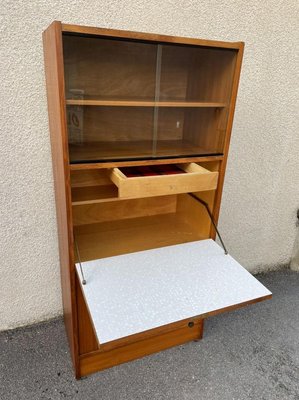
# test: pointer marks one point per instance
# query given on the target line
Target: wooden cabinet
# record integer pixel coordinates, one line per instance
(140, 127)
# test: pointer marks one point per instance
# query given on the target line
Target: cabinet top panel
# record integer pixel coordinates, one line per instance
(89, 30)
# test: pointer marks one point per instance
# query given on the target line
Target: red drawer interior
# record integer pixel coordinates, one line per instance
(151, 170)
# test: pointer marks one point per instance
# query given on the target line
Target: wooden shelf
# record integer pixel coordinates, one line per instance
(100, 151)
(112, 164)
(143, 103)
(113, 238)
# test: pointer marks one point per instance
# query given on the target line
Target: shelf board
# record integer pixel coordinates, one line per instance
(137, 292)
(101, 151)
(143, 103)
(126, 163)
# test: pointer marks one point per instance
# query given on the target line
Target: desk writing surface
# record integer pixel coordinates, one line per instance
(135, 292)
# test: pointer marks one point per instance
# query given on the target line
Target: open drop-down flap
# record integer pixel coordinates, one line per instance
(136, 292)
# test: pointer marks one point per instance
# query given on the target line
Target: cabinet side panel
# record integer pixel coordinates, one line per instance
(52, 39)
(229, 125)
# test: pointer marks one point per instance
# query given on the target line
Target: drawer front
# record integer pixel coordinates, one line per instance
(194, 179)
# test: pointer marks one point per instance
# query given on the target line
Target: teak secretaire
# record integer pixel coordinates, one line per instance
(140, 128)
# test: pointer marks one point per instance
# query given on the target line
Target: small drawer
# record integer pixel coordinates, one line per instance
(189, 177)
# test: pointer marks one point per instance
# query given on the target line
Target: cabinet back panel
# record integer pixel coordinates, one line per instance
(111, 124)
(174, 73)
(196, 73)
(94, 194)
(123, 209)
(195, 213)
(130, 124)
(211, 75)
(205, 128)
(135, 234)
(90, 177)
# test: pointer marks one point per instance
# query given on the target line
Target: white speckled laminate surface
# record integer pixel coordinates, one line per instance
(136, 292)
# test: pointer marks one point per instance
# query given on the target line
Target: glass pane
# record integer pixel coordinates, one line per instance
(110, 91)
(112, 133)
(135, 100)
(192, 73)
(190, 131)
(109, 69)
(195, 89)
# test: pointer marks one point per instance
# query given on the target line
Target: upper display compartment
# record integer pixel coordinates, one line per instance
(130, 100)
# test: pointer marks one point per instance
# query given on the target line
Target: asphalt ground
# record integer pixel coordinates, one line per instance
(251, 353)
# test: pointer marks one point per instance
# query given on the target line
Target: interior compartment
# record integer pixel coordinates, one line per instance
(202, 131)
(127, 133)
(97, 186)
(193, 73)
(119, 69)
(131, 100)
(92, 186)
(125, 226)
(112, 226)
(112, 133)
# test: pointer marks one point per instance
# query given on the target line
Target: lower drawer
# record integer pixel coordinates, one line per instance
(189, 177)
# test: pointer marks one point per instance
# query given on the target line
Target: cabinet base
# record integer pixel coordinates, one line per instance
(102, 359)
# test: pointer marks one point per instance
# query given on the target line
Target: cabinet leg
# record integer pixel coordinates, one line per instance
(200, 336)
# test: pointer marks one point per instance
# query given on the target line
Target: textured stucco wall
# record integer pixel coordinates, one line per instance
(262, 184)
(295, 256)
